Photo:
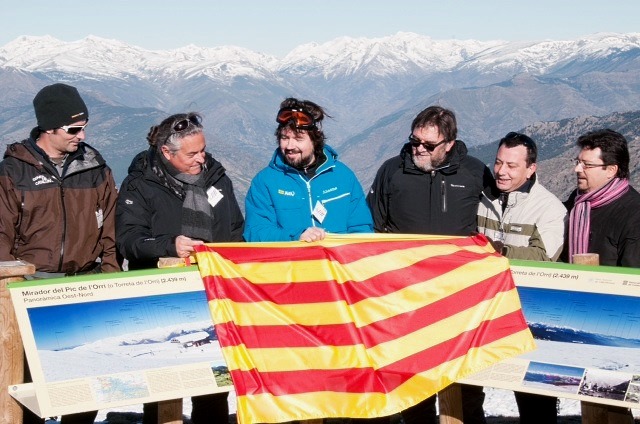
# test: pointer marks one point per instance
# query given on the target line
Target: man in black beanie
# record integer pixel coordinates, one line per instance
(57, 199)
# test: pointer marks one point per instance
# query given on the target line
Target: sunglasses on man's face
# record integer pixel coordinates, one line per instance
(73, 129)
(300, 118)
(416, 142)
(183, 124)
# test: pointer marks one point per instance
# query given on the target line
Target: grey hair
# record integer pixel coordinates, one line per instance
(165, 135)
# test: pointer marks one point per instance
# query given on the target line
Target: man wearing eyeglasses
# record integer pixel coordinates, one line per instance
(305, 191)
(57, 198)
(523, 220)
(604, 216)
(432, 187)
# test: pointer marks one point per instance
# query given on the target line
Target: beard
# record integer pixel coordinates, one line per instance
(299, 162)
(427, 163)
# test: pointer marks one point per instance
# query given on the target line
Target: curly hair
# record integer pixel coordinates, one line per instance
(166, 134)
(317, 113)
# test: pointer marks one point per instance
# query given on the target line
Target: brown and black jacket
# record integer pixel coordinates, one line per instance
(60, 223)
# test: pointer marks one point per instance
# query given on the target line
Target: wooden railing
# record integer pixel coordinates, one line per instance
(12, 355)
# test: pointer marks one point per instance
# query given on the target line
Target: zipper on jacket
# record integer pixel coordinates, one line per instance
(307, 182)
(64, 226)
(443, 194)
(18, 224)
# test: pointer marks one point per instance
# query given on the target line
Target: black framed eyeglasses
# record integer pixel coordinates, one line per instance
(73, 129)
(416, 142)
(183, 124)
(586, 165)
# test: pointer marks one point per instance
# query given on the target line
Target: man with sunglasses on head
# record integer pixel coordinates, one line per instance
(432, 187)
(305, 191)
(176, 196)
(57, 199)
(523, 220)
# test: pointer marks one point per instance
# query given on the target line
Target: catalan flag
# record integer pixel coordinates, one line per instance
(358, 326)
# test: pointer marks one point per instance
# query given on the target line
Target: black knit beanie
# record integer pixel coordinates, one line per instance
(58, 105)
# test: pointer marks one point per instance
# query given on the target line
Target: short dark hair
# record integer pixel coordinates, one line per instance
(514, 139)
(439, 117)
(318, 113)
(613, 148)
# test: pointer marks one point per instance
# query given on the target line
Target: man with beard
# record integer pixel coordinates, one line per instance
(432, 187)
(305, 191)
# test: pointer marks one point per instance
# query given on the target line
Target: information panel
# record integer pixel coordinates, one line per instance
(586, 324)
(109, 340)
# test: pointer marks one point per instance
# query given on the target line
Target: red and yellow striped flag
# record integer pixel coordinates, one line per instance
(360, 325)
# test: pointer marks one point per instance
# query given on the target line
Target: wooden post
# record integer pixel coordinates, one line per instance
(170, 411)
(450, 405)
(12, 359)
(586, 259)
(594, 413)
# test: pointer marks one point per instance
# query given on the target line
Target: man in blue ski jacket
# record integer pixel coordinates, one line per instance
(305, 191)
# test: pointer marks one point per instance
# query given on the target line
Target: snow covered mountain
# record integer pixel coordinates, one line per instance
(400, 54)
(371, 87)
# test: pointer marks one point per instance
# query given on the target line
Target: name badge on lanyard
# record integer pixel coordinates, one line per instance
(319, 212)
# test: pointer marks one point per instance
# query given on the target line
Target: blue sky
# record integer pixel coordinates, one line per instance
(275, 27)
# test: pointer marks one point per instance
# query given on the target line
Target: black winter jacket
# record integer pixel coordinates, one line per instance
(405, 199)
(614, 231)
(149, 211)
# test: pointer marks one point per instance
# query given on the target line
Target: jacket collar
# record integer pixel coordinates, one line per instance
(492, 192)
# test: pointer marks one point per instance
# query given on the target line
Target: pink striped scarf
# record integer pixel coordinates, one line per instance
(580, 216)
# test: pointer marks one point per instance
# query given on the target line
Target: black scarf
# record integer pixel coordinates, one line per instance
(197, 213)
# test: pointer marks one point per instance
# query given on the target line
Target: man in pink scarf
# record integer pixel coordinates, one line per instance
(604, 217)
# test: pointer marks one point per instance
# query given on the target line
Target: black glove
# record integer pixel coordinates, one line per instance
(497, 245)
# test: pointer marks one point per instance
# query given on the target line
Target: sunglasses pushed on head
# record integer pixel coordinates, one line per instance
(183, 124)
(300, 118)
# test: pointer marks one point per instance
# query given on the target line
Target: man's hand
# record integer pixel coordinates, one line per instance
(313, 234)
(184, 246)
(497, 245)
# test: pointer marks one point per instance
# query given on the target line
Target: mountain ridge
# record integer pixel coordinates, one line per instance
(371, 87)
